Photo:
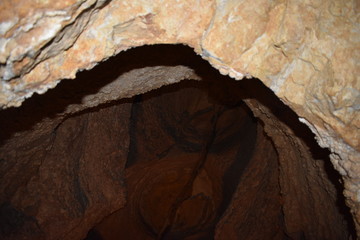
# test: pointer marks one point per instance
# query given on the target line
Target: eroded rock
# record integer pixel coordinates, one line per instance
(306, 52)
(181, 162)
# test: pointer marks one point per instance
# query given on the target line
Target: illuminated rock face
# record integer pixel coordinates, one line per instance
(307, 53)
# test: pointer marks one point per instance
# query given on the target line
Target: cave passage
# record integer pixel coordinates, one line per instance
(208, 159)
(189, 145)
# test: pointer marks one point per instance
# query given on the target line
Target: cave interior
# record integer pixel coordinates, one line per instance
(206, 158)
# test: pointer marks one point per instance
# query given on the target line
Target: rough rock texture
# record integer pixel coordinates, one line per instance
(298, 156)
(242, 190)
(307, 52)
(187, 155)
(49, 183)
(183, 162)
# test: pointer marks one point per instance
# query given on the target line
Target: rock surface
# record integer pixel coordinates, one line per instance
(152, 160)
(307, 52)
(236, 192)
(51, 181)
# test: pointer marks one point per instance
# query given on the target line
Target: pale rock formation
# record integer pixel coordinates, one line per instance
(307, 52)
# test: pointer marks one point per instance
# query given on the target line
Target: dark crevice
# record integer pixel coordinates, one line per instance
(135, 108)
(233, 174)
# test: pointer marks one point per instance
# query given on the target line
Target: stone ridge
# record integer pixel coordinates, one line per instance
(307, 52)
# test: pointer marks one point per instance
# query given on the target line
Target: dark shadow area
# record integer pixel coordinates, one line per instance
(67, 92)
(93, 235)
(13, 220)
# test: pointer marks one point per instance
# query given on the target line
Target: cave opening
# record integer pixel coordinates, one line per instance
(208, 158)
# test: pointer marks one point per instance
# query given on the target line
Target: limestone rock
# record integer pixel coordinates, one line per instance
(307, 52)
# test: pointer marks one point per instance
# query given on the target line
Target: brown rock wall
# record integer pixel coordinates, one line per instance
(307, 52)
(152, 159)
(52, 183)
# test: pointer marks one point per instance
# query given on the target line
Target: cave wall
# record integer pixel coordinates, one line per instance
(50, 182)
(61, 179)
(306, 52)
